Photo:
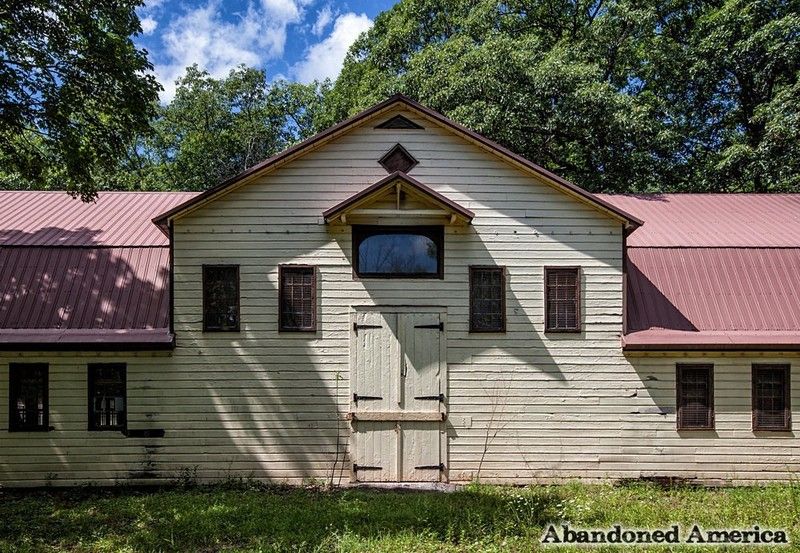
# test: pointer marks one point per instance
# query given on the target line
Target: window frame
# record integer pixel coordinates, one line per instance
(93, 426)
(281, 270)
(433, 232)
(578, 328)
(13, 370)
(495, 268)
(787, 397)
(679, 368)
(206, 327)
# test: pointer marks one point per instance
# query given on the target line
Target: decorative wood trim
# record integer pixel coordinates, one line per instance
(550, 178)
(288, 267)
(358, 198)
(237, 328)
(14, 370)
(787, 397)
(502, 270)
(435, 233)
(679, 368)
(90, 387)
(548, 270)
(399, 122)
(384, 160)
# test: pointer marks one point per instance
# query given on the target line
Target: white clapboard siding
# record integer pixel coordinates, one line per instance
(522, 406)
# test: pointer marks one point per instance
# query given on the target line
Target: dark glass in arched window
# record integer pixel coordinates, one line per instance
(411, 252)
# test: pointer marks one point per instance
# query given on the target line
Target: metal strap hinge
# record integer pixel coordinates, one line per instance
(439, 325)
(357, 467)
(439, 398)
(357, 397)
(357, 327)
(440, 467)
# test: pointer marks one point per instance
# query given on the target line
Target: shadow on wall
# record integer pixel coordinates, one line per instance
(257, 403)
(77, 287)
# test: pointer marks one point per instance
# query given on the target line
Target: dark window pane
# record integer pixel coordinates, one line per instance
(563, 299)
(387, 252)
(695, 397)
(221, 297)
(107, 396)
(770, 397)
(28, 396)
(487, 308)
(297, 298)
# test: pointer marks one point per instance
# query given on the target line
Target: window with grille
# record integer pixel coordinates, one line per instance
(298, 298)
(107, 396)
(562, 299)
(487, 305)
(221, 298)
(771, 397)
(695, 391)
(28, 397)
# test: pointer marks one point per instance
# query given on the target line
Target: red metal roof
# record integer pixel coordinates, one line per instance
(713, 220)
(77, 273)
(56, 219)
(713, 271)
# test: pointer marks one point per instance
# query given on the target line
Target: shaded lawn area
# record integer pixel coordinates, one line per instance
(477, 518)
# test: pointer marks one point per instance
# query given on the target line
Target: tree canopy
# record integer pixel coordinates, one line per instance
(216, 128)
(626, 95)
(615, 95)
(74, 90)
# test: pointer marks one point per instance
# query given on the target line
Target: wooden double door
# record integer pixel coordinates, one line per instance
(398, 397)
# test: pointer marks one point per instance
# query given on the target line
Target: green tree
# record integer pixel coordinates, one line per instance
(216, 128)
(618, 95)
(74, 91)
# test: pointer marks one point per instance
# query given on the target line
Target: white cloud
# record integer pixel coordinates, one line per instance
(324, 59)
(203, 36)
(324, 17)
(148, 25)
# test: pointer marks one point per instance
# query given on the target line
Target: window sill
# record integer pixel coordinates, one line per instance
(37, 429)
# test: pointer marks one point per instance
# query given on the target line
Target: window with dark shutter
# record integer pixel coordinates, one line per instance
(107, 396)
(27, 396)
(562, 299)
(298, 298)
(771, 398)
(487, 305)
(695, 397)
(221, 298)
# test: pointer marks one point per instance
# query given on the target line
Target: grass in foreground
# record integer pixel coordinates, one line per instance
(478, 518)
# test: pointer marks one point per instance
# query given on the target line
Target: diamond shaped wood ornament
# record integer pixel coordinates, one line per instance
(398, 159)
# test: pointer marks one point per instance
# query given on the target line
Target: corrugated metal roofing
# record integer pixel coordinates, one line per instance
(79, 273)
(715, 289)
(56, 219)
(84, 288)
(713, 271)
(713, 220)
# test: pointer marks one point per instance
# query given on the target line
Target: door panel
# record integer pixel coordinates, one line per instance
(420, 340)
(421, 452)
(397, 375)
(375, 457)
(376, 381)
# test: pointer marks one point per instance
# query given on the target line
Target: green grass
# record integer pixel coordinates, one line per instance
(477, 518)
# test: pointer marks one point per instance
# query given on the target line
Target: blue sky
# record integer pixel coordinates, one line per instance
(300, 40)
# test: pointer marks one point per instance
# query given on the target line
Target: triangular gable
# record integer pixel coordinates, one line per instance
(397, 187)
(325, 136)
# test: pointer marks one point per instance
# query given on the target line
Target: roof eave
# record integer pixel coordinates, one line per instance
(335, 211)
(631, 222)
